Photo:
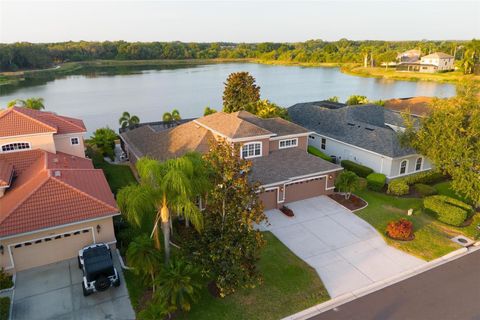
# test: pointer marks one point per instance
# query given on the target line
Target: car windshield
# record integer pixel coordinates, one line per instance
(97, 261)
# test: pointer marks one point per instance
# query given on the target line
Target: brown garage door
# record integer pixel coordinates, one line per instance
(38, 252)
(305, 189)
(269, 199)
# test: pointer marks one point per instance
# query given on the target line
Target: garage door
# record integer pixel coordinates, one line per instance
(38, 252)
(269, 199)
(305, 189)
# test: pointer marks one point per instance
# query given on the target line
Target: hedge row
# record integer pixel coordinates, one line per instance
(318, 153)
(448, 210)
(424, 189)
(401, 186)
(376, 181)
(360, 170)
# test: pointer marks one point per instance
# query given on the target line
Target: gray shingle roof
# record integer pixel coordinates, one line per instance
(282, 165)
(278, 126)
(363, 126)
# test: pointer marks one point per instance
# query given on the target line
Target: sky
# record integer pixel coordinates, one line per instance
(198, 21)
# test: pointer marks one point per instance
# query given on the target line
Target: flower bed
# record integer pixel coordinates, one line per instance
(287, 211)
(353, 203)
(400, 230)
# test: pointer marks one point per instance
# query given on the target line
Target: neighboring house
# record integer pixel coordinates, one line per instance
(439, 60)
(366, 134)
(52, 200)
(276, 147)
(409, 56)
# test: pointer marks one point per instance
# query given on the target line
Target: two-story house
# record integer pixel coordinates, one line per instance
(276, 147)
(52, 200)
(437, 61)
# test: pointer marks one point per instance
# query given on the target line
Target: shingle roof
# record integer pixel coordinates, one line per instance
(440, 55)
(51, 190)
(363, 126)
(278, 126)
(282, 165)
(20, 121)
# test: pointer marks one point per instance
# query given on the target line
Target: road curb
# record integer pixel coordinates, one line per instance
(347, 297)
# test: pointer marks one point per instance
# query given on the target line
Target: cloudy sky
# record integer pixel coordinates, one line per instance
(197, 21)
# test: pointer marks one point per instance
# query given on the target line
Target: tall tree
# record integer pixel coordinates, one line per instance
(449, 137)
(240, 92)
(267, 109)
(127, 120)
(172, 116)
(468, 62)
(164, 186)
(104, 140)
(207, 111)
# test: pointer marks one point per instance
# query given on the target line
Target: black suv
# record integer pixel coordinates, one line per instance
(98, 270)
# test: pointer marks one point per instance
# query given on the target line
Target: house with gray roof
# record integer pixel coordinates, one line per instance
(365, 134)
(276, 147)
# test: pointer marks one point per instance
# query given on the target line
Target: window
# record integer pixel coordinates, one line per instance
(324, 144)
(418, 164)
(403, 166)
(251, 150)
(289, 143)
(74, 141)
(15, 146)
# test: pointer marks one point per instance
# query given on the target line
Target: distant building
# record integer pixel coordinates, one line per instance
(435, 62)
(409, 56)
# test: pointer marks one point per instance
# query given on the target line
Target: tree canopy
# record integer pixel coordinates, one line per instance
(240, 93)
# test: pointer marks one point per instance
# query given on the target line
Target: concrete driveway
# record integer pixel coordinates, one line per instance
(347, 252)
(55, 292)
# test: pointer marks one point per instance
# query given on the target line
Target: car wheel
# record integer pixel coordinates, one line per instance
(85, 291)
(117, 283)
(79, 263)
(102, 283)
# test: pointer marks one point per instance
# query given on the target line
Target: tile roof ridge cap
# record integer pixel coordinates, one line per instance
(84, 193)
(62, 118)
(5, 112)
(33, 119)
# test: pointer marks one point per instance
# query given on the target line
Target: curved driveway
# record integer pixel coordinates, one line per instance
(347, 252)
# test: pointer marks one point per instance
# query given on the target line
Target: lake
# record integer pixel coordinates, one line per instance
(99, 99)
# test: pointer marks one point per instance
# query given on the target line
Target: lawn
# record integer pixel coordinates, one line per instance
(432, 238)
(289, 286)
(4, 308)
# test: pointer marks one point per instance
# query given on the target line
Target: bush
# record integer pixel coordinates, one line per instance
(425, 190)
(4, 308)
(400, 230)
(318, 153)
(448, 210)
(427, 177)
(360, 170)
(5, 280)
(376, 181)
(362, 184)
(398, 187)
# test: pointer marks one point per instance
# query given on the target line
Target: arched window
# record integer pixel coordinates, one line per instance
(252, 150)
(403, 167)
(16, 146)
(418, 164)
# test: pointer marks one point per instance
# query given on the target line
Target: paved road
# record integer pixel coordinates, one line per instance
(448, 292)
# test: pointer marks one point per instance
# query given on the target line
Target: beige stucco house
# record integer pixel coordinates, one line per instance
(437, 61)
(277, 149)
(52, 200)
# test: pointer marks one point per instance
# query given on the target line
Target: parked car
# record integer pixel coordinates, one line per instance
(99, 274)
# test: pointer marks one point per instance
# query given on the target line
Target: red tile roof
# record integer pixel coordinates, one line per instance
(21, 121)
(6, 173)
(50, 190)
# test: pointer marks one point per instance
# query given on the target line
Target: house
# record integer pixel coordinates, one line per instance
(366, 134)
(437, 61)
(276, 147)
(52, 200)
(409, 56)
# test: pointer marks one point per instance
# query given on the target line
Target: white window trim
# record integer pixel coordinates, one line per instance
(249, 143)
(290, 146)
(400, 167)
(74, 144)
(421, 164)
(16, 142)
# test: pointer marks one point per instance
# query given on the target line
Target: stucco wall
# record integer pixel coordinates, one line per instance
(51, 253)
(63, 144)
(39, 141)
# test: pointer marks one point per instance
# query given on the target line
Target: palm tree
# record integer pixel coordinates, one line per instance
(178, 285)
(347, 182)
(468, 61)
(163, 187)
(30, 103)
(172, 116)
(143, 257)
(126, 120)
(154, 311)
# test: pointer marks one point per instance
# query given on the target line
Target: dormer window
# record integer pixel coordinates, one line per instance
(74, 141)
(16, 146)
(288, 143)
(252, 150)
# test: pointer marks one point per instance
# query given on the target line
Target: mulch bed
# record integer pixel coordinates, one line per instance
(412, 237)
(287, 211)
(354, 203)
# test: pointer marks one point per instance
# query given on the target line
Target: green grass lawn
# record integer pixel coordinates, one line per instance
(289, 286)
(431, 236)
(4, 308)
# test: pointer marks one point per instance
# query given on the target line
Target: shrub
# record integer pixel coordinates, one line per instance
(448, 210)
(362, 184)
(425, 190)
(401, 229)
(347, 181)
(398, 187)
(376, 181)
(318, 153)
(4, 307)
(5, 280)
(427, 177)
(360, 170)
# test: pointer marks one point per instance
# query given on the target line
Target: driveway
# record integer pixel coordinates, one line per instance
(55, 292)
(347, 252)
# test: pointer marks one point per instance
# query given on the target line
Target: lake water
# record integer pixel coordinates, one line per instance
(100, 99)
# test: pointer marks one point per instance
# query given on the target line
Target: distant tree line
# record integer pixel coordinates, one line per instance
(24, 55)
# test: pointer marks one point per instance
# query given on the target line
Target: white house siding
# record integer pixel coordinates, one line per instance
(395, 168)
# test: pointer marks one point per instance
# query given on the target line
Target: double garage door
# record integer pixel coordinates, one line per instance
(42, 251)
(294, 192)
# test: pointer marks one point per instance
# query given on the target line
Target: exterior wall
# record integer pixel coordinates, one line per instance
(395, 166)
(428, 69)
(265, 145)
(56, 249)
(39, 141)
(302, 143)
(63, 144)
(442, 64)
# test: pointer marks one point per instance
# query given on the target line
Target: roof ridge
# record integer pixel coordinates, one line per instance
(6, 111)
(33, 119)
(62, 118)
(83, 192)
